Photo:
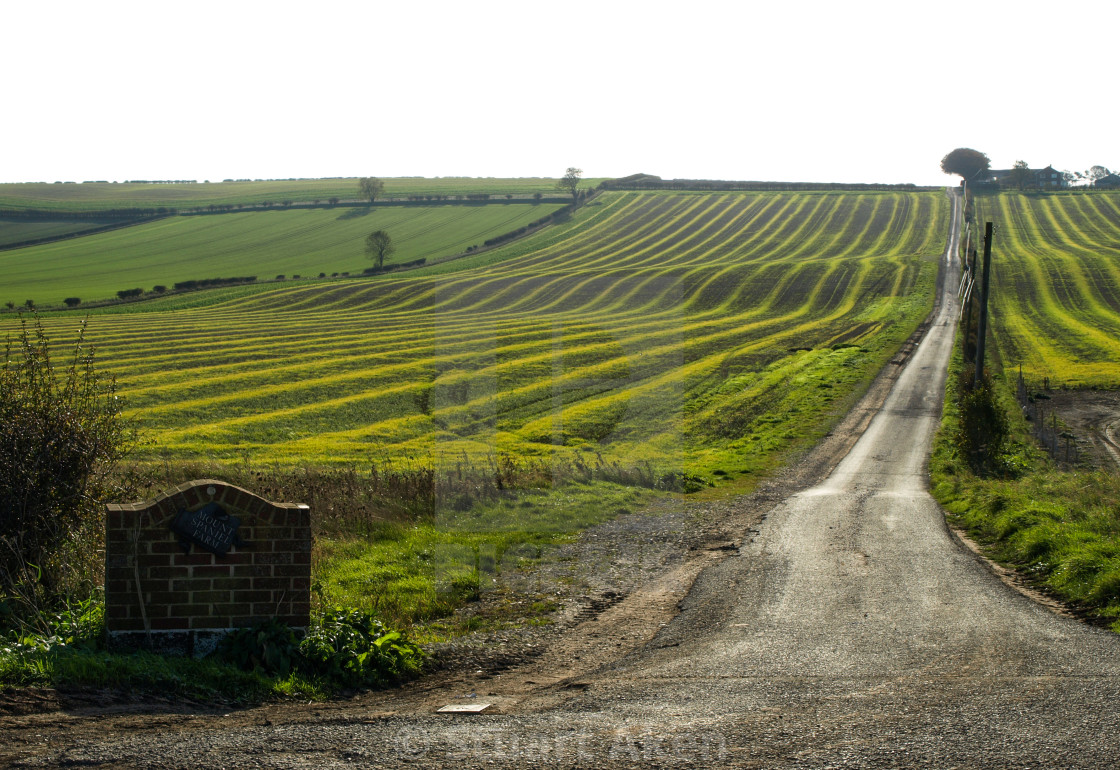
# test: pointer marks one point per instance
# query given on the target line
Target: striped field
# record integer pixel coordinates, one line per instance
(702, 332)
(1056, 285)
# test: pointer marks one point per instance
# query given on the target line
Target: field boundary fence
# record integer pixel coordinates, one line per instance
(1045, 426)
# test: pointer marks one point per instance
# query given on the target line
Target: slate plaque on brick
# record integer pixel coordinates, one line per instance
(210, 528)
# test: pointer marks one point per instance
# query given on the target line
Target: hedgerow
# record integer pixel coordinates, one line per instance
(61, 434)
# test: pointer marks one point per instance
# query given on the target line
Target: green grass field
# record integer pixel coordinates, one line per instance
(15, 231)
(290, 242)
(95, 196)
(702, 333)
(1056, 284)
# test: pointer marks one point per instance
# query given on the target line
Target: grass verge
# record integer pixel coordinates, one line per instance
(1060, 528)
(416, 575)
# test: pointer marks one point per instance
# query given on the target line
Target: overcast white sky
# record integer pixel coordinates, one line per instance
(855, 91)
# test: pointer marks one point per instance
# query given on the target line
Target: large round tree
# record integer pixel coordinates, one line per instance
(972, 165)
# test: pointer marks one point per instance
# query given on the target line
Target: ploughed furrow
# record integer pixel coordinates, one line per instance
(618, 236)
(646, 326)
(876, 213)
(719, 241)
(1078, 290)
(299, 410)
(1095, 242)
(1056, 284)
(1091, 220)
(662, 237)
(1108, 208)
(839, 222)
(689, 237)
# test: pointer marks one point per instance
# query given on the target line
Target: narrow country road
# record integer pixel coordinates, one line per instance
(850, 630)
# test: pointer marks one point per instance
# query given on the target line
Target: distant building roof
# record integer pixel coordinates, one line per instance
(1043, 177)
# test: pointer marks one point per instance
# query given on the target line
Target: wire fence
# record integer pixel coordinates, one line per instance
(1045, 425)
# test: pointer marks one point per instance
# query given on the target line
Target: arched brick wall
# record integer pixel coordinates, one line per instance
(157, 596)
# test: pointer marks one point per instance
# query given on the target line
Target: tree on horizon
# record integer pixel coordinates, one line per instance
(371, 187)
(570, 182)
(966, 162)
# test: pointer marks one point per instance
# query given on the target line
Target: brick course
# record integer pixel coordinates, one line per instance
(187, 600)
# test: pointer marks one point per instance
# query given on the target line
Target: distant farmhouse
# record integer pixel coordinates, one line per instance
(1048, 178)
(1111, 181)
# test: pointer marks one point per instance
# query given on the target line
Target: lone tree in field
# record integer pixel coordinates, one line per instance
(970, 164)
(371, 187)
(378, 246)
(570, 182)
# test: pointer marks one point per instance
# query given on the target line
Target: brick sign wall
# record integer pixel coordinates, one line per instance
(204, 558)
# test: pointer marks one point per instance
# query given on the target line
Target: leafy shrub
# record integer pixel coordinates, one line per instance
(346, 648)
(350, 647)
(128, 293)
(61, 433)
(72, 301)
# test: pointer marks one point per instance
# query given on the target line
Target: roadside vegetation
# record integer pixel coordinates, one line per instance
(1059, 528)
(1056, 280)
